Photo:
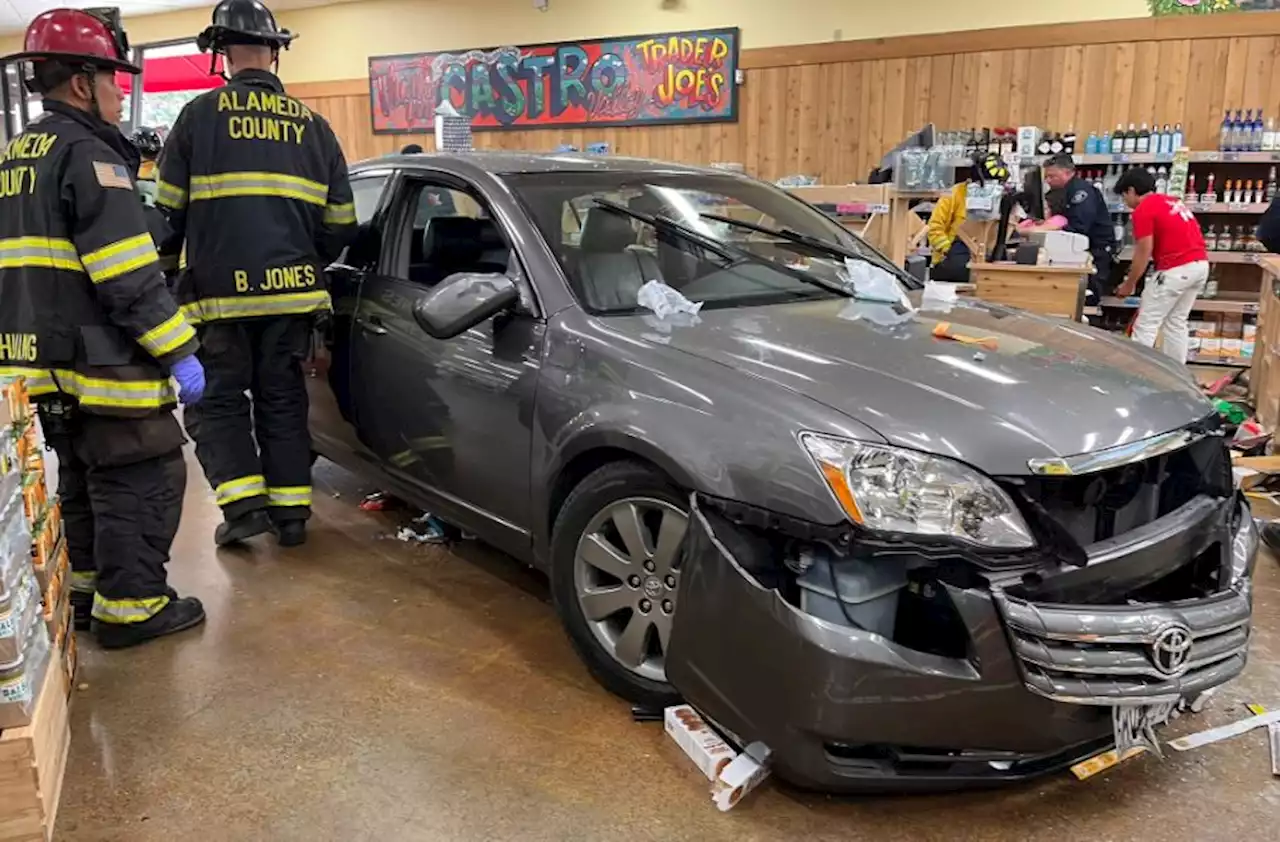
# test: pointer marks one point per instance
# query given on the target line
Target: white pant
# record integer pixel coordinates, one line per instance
(1166, 303)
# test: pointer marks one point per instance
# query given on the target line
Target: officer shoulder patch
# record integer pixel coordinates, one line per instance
(112, 175)
(1079, 197)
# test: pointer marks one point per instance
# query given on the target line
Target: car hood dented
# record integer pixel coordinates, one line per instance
(1033, 388)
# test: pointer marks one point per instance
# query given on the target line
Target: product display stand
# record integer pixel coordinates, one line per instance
(37, 641)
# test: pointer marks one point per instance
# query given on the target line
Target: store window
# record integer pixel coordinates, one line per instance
(172, 75)
(11, 97)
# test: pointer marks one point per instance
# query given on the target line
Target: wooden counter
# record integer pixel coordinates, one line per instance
(1048, 290)
(1264, 375)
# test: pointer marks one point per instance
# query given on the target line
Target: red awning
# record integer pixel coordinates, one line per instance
(173, 73)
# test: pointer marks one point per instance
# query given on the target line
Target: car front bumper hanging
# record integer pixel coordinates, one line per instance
(847, 710)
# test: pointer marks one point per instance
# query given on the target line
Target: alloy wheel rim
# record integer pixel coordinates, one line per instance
(626, 574)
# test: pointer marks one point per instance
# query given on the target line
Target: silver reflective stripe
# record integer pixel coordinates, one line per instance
(39, 252)
(170, 196)
(227, 185)
(168, 336)
(120, 258)
(241, 488)
(340, 214)
(84, 581)
(295, 496)
(214, 309)
(127, 610)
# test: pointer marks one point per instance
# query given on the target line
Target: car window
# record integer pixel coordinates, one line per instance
(704, 241)
(366, 192)
(452, 231)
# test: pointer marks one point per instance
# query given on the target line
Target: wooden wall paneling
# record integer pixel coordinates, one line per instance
(1259, 57)
(986, 93)
(1092, 89)
(1073, 73)
(793, 108)
(1120, 71)
(895, 103)
(1057, 81)
(1208, 136)
(1146, 80)
(1040, 77)
(1019, 73)
(851, 121)
(1175, 70)
(876, 141)
(941, 74)
(831, 145)
(1237, 57)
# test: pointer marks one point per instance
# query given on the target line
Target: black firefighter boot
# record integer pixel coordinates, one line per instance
(291, 533)
(242, 528)
(178, 615)
(81, 609)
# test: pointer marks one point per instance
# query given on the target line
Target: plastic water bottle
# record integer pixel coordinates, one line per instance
(1226, 133)
(1091, 144)
(1178, 138)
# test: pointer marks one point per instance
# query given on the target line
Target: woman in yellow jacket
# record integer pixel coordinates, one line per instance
(950, 254)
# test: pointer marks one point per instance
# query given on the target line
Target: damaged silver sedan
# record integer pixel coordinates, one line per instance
(905, 543)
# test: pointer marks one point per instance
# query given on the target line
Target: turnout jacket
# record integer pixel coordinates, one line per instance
(84, 310)
(256, 185)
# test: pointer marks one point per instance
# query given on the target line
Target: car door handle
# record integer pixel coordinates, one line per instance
(371, 324)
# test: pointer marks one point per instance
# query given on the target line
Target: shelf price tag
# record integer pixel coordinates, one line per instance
(1239, 207)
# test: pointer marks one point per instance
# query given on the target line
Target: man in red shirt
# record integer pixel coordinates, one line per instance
(1166, 232)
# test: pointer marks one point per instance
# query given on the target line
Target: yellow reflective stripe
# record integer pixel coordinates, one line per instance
(231, 184)
(242, 488)
(170, 196)
(298, 495)
(251, 306)
(84, 581)
(340, 214)
(94, 391)
(168, 336)
(127, 610)
(39, 253)
(120, 258)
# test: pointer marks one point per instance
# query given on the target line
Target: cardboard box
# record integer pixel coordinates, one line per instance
(33, 760)
(1207, 329)
(1211, 347)
(1232, 326)
(709, 752)
(1231, 348)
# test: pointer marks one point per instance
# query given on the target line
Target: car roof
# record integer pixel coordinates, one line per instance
(505, 163)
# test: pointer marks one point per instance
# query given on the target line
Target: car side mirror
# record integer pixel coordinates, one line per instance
(462, 301)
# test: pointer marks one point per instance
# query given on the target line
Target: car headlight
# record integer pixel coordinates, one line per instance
(889, 489)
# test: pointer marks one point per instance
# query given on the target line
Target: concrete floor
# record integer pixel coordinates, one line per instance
(360, 688)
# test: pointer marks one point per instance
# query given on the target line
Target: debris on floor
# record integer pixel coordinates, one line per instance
(1086, 769)
(943, 330)
(425, 529)
(378, 501)
(732, 775)
(1224, 732)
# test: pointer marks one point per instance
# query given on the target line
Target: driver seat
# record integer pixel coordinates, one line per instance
(611, 267)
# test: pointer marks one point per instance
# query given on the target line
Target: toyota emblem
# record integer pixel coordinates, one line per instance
(1171, 649)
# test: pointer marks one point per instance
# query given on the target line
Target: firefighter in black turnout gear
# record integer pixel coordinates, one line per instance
(256, 184)
(86, 319)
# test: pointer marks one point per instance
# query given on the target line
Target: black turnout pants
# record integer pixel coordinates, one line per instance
(251, 426)
(121, 482)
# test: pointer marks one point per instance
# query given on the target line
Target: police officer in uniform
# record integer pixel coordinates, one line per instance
(1086, 213)
(85, 317)
(256, 184)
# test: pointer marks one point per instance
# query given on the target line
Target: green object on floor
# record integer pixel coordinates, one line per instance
(1233, 413)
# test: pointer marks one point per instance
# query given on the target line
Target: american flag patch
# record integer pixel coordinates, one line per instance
(112, 175)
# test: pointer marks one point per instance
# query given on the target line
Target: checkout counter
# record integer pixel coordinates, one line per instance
(1053, 285)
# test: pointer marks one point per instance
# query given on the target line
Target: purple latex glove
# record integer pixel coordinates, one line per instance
(190, 376)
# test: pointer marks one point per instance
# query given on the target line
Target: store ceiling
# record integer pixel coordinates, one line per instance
(15, 14)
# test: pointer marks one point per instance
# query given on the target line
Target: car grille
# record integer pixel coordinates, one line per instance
(1096, 506)
(1145, 653)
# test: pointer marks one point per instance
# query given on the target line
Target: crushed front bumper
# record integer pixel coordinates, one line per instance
(845, 710)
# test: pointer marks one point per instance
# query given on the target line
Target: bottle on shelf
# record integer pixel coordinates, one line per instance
(1043, 147)
(1097, 181)
(1271, 184)
(1269, 135)
(1091, 144)
(1179, 139)
(1056, 145)
(1211, 287)
(1226, 132)
(1210, 191)
(1162, 180)
(1117, 140)
(1255, 143)
(1244, 131)
(1142, 145)
(1104, 143)
(1224, 239)
(1247, 195)
(1118, 227)
(1109, 179)
(1069, 141)
(1240, 131)
(1131, 140)
(1238, 242)
(1191, 195)
(1211, 238)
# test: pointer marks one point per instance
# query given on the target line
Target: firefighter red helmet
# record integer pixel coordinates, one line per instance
(91, 37)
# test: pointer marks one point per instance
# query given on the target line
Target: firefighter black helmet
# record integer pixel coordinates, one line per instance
(242, 22)
(147, 141)
(988, 166)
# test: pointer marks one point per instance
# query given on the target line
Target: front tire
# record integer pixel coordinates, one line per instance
(616, 553)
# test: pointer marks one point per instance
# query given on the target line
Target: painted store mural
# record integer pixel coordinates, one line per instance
(1209, 7)
(683, 77)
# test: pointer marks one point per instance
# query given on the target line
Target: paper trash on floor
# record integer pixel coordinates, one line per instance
(732, 775)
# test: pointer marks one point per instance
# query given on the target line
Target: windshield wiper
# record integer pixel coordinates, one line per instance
(815, 244)
(731, 254)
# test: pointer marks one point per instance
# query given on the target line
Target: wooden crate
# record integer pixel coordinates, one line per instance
(33, 760)
(1264, 379)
